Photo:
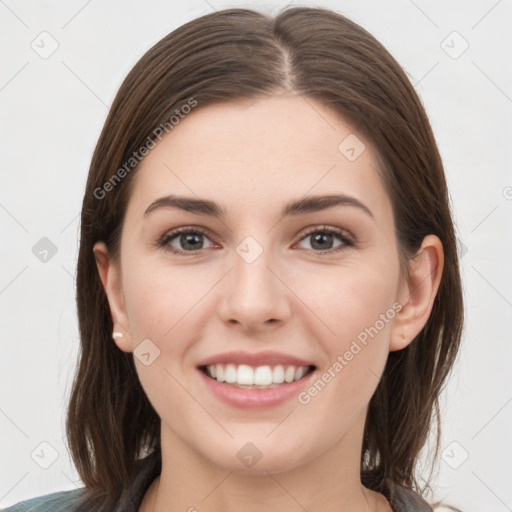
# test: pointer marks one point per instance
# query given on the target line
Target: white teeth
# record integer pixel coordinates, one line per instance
(299, 373)
(289, 374)
(244, 375)
(278, 374)
(262, 376)
(219, 370)
(230, 375)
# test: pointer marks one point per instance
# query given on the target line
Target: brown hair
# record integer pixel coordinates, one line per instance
(237, 54)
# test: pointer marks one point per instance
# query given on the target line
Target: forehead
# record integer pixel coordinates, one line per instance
(256, 153)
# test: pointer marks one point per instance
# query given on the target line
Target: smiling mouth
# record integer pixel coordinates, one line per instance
(256, 377)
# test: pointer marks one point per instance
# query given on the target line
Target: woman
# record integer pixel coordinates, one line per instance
(268, 290)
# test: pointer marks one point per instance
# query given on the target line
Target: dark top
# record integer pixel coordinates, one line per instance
(147, 470)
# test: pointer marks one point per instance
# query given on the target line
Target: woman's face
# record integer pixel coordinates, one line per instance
(258, 285)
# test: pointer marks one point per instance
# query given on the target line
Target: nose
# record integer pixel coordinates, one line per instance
(255, 296)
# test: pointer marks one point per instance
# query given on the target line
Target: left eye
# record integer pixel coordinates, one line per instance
(322, 239)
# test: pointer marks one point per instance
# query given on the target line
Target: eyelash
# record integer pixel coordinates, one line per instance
(163, 243)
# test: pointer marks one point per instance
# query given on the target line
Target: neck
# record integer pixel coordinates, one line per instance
(327, 483)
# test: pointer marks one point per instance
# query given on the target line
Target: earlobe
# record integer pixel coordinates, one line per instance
(110, 276)
(418, 292)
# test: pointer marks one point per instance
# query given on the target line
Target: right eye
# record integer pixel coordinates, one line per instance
(189, 240)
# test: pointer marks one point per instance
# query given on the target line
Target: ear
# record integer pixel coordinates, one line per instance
(417, 292)
(110, 275)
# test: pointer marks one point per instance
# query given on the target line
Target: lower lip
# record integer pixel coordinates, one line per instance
(255, 398)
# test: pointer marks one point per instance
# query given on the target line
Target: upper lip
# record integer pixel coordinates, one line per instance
(264, 358)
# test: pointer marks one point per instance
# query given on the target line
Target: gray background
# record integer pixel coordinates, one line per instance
(53, 108)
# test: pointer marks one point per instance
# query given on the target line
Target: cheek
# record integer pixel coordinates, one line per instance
(350, 299)
(355, 305)
(160, 306)
(358, 308)
(159, 302)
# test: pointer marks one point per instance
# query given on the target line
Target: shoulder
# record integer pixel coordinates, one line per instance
(406, 500)
(146, 471)
(62, 501)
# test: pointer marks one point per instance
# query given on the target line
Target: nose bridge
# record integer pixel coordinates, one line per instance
(254, 294)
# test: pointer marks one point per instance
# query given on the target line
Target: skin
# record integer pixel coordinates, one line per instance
(252, 158)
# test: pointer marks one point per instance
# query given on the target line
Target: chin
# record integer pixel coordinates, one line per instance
(256, 457)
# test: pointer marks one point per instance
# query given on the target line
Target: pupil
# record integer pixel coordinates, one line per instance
(319, 237)
(187, 241)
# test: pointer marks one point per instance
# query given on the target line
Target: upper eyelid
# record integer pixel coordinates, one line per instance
(329, 229)
(206, 231)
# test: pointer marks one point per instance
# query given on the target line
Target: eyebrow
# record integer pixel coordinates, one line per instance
(308, 204)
